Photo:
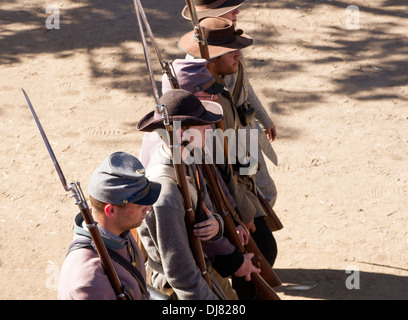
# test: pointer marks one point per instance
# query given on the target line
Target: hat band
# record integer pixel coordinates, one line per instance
(191, 113)
(210, 6)
(217, 42)
(142, 194)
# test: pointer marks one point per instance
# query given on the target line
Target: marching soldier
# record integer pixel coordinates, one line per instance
(230, 9)
(121, 197)
(224, 45)
(164, 231)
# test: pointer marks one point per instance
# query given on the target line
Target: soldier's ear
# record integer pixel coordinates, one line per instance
(109, 210)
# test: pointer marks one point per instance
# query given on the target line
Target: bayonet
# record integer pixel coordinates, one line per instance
(80, 200)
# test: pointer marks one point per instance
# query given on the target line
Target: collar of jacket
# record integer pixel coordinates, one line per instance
(111, 241)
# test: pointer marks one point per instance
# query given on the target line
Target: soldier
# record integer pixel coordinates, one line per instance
(121, 197)
(229, 9)
(224, 45)
(164, 232)
(194, 76)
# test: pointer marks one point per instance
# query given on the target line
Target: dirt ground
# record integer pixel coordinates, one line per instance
(335, 86)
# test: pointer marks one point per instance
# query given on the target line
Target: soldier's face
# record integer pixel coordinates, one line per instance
(232, 15)
(132, 215)
(226, 64)
(195, 135)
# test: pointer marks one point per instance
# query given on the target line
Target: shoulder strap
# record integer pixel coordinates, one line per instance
(88, 244)
(238, 84)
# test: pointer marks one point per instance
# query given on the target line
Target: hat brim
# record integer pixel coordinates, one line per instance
(189, 45)
(226, 7)
(212, 114)
(152, 196)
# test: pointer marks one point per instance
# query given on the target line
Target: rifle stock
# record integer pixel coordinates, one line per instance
(195, 243)
(271, 218)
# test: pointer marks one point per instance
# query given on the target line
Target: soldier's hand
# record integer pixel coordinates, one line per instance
(247, 267)
(243, 235)
(271, 133)
(207, 229)
(251, 226)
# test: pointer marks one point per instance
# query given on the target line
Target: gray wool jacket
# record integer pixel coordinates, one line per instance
(164, 236)
(262, 120)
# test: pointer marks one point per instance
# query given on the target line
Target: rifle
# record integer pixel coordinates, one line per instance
(195, 243)
(198, 31)
(79, 197)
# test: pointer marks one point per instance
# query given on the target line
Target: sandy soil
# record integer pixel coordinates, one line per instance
(337, 95)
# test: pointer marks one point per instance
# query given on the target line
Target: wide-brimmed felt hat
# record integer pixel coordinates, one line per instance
(212, 8)
(182, 106)
(221, 38)
(193, 76)
(120, 179)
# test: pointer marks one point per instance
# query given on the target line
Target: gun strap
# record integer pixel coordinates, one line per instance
(238, 84)
(87, 243)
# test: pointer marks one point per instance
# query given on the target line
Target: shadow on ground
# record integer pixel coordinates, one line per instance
(331, 285)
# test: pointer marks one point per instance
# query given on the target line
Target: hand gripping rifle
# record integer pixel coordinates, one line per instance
(195, 243)
(79, 197)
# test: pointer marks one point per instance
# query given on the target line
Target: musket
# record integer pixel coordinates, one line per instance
(195, 243)
(198, 31)
(78, 195)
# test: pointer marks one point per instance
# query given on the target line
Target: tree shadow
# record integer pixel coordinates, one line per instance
(379, 57)
(369, 61)
(107, 32)
(97, 23)
(86, 28)
(331, 285)
(385, 10)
